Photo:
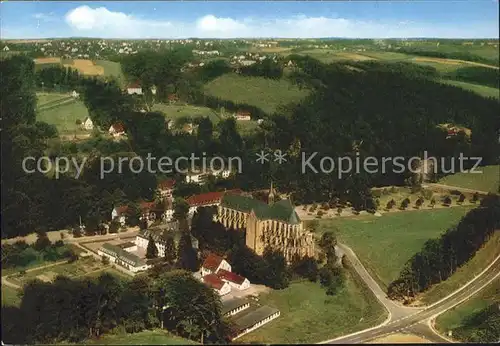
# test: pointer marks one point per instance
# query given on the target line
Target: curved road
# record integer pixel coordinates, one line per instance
(413, 320)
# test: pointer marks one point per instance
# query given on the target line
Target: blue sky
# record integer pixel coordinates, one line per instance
(382, 19)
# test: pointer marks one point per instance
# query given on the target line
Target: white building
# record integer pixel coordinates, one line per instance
(234, 280)
(116, 130)
(74, 94)
(134, 88)
(119, 214)
(232, 306)
(159, 235)
(214, 282)
(213, 264)
(119, 256)
(88, 124)
(255, 319)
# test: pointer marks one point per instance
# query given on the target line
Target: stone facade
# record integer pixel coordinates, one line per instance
(276, 225)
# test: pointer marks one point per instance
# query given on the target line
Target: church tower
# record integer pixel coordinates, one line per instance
(270, 198)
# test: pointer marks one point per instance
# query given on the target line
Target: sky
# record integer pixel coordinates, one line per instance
(247, 19)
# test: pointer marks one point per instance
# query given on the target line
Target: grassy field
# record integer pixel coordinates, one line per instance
(487, 181)
(112, 69)
(384, 244)
(178, 111)
(267, 94)
(308, 315)
(476, 265)
(455, 317)
(64, 117)
(482, 90)
(147, 337)
(10, 296)
(46, 98)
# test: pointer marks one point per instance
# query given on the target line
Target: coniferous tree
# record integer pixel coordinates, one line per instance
(151, 250)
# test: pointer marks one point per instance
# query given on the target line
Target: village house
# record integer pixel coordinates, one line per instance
(123, 258)
(172, 98)
(134, 88)
(74, 94)
(120, 214)
(88, 124)
(234, 280)
(219, 286)
(243, 115)
(116, 130)
(213, 264)
(166, 188)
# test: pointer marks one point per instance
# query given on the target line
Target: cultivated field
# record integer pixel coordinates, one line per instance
(452, 61)
(400, 338)
(48, 60)
(267, 94)
(86, 67)
(384, 244)
(10, 296)
(455, 317)
(487, 181)
(308, 315)
(482, 90)
(112, 69)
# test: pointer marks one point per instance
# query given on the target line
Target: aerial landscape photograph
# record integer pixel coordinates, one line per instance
(250, 172)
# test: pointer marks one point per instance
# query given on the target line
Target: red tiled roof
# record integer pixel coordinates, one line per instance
(243, 113)
(166, 184)
(212, 262)
(118, 127)
(213, 281)
(172, 97)
(209, 197)
(229, 276)
(134, 85)
(147, 205)
(121, 209)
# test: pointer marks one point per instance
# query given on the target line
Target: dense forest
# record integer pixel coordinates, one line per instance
(481, 327)
(440, 258)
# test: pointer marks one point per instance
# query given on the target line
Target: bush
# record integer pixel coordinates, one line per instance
(394, 189)
(377, 193)
(447, 201)
(427, 194)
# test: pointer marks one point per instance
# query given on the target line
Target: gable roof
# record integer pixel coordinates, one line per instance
(212, 262)
(134, 85)
(231, 304)
(166, 184)
(118, 127)
(280, 211)
(122, 209)
(213, 281)
(209, 197)
(122, 255)
(230, 276)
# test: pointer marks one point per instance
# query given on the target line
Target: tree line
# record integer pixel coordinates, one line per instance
(75, 310)
(440, 258)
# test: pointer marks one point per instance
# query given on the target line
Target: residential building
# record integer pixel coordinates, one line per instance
(213, 264)
(234, 280)
(120, 214)
(214, 282)
(122, 258)
(166, 188)
(243, 115)
(88, 124)
(128, 246)
(74, 94)
(274, 225)
(134, 88)
(116, 130)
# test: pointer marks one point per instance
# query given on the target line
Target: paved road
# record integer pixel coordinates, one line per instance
(412, 320)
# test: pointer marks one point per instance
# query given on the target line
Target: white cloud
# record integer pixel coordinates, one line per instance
(101, 22)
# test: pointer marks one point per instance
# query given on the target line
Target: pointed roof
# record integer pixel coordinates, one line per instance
(213, 281)
(212, 262)
(230, 276)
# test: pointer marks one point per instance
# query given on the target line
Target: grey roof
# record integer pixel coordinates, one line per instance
(126, 245)
(122, 255)
(250, 319)
(233, 303)
(280, 211)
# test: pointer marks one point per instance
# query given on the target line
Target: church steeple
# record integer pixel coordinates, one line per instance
(270, 198)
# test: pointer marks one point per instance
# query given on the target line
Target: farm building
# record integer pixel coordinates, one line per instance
(232, 306)
(122, 258)
(219, 286)
(255, 319)
(116, 130)
(234, 280)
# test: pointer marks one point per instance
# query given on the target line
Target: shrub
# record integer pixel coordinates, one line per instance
(394, 189)
(447, 201)
(427, 194)
(377, 193)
